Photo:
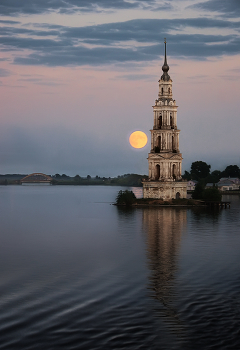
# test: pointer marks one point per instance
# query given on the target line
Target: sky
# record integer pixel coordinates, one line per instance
(77, 77)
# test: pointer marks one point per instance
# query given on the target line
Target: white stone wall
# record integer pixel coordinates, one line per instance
(163, 190)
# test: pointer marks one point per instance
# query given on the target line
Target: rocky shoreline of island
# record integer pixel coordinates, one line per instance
(128, 198)
(181, 202)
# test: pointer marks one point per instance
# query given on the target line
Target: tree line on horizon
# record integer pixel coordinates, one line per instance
(201, 171)
(134, 180)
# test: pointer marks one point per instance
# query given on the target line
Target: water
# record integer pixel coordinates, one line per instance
(79, 273)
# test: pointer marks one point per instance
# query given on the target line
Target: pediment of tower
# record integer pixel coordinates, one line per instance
(165, 156)
(176, 157)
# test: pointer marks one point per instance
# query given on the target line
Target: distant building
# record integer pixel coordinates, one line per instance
(228, 184)
(165, 159)
(235, 180)
(191, 185)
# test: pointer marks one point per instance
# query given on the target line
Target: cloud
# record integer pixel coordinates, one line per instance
(230, 77)
(136, 77)
(234, 70)
(15, 31)
(191, 46)
(197, 77)
(41, 81)
(16, 7)
(229, 8)
(114, 43)
(5, 72)
(3, 21)
(142, 30)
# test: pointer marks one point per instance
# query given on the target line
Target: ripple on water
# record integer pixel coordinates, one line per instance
(70, 313)
(95, 277)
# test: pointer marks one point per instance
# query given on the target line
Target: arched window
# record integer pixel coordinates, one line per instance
(171, 120)
(159, 142)
(169, 90)
(174, 171)
(160, 121)
(157, 172)
(162, 90)
(173, 146)
(178, 195)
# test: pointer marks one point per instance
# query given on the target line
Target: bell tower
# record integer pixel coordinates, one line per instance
(165, 159)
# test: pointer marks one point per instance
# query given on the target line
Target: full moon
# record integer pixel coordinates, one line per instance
(138, 139)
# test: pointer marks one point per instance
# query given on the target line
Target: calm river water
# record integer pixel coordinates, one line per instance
(79, 273)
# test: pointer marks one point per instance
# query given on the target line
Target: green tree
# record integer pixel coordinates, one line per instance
(200, 170)
(125, 198)
(77, 178)
(198, 191)
(231, 171)
(216, 175)
(208, 194)
(212, 194)
(187, 176)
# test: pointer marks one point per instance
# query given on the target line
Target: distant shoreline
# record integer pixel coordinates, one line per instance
(129, 180)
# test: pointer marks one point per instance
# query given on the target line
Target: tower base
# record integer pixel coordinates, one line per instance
(164, 190)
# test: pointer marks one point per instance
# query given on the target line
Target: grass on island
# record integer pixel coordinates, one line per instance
(128, 198)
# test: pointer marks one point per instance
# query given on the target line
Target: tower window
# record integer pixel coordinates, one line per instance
(174, 171)
(171, 120)
(162, 91)
(160, 121)
(173, 146)
(159, 142)
(157, 172)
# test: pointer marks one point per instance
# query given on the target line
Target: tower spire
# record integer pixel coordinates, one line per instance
(165, 61)
(165, 66)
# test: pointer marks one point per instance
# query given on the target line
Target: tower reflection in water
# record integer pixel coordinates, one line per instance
(164, 228)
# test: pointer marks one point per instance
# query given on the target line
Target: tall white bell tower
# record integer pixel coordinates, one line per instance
(165, 159)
